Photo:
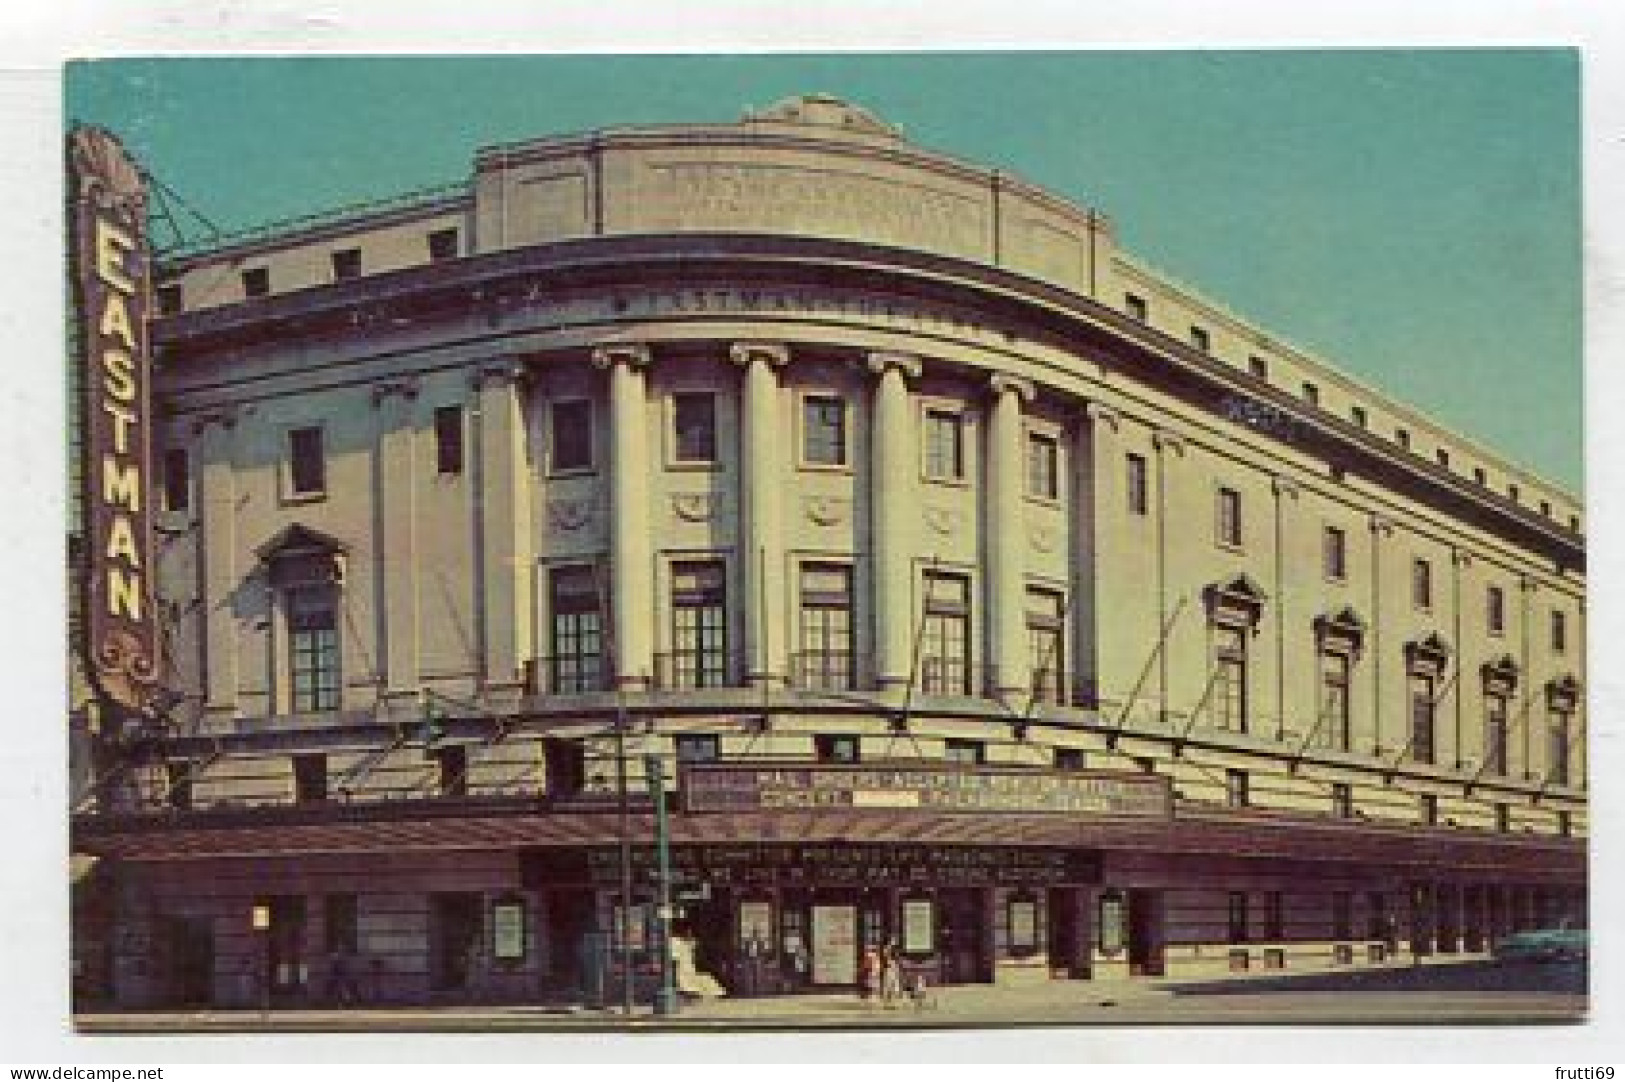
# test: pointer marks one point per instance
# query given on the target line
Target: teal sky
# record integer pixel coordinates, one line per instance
(1411, 215)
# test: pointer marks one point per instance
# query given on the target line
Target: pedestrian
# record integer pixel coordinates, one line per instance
(891, 976)
(868, 975)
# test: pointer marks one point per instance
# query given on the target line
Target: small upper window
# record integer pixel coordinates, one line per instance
(1443, 457)
(346, 264)
(1428, 809)
(572, 435)
(1229, 518)
(969, 752)
(177, 479)
(1421, 584)
(1235, 788)
(1546, 508)
(1201, 339)
(448, 439)
(1357, 413)
(170, 299)
(1311, 394)
(1512, 493)
(307, 465)
(1043, 466)
(1342, 800)
(442, 245)
(1560, 632)
(1478, 475)
(823, 430)
(1138, 501)
(836, 748)
(256, 282)
(1137, 307)
(698, 747)
(1496, 610)
(1403, 437)
(694, 416)
(944, 445)
(1336, 542)
(1069, 759)
(1259, 367)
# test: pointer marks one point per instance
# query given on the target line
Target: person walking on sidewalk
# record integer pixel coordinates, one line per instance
(891, 976)
(868, 975)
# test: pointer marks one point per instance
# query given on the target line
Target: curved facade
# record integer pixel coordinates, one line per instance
(973, 585)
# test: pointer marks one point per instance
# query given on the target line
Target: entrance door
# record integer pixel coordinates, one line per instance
(190, 948)
(1066, 955)
(454, 940)
(834, 944)
(1144, 942)
(570, 961)
(965, 955)
(286, 946)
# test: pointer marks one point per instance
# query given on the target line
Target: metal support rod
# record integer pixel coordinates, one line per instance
(626, 855)
(666, 993)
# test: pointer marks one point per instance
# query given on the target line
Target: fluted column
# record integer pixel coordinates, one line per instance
(761, 528)
(894, 484)
(631, 550)
(1005, 537)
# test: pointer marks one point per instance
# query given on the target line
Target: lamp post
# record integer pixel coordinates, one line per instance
(666, 993)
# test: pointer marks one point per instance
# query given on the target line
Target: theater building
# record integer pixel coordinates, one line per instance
(975, 586)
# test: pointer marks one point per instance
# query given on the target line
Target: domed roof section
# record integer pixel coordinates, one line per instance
(823, 111)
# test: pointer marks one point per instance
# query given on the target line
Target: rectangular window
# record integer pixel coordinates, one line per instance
(699, 609)
(340, 923)
(1495, 610)
(1201, 339)
(170, 299)
(1443, 457)
(944, 445)
(1478, 475)
(1043, 467)
(1137, 307)
(451, 770)
(827, 644)
(1336, 730)
(177, 479)
(823, 430)
(1421, 584)
(1138, 500)
(1422, 712)
(346, 264)
(1274, 917)
(1235, 789)
(1228, 696)
(1560, 636)
(448, 439)
(1565, 824)
(256, 282)
(1357, 414)
(945, 636)
(1428, 809)
(442, 245)
(1503, 819)
(694, 417)
(966, 752)
(307, 462)
(1228, 522)
(698, 747)
(1342, 800)
(578, 630)
(1259, 368)
(1311, 394)
(1046, 645)
(1560, 734)
(1403, 437)
(1495, 734)
(1512, 493)
(572, 435)
(837, 748)
(309, 779)
(1342, 915)
(1336, 553)
(313, 647)
(1070, 759)
(1236, 916)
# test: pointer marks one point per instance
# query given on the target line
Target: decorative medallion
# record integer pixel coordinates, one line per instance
(568, 516)
(827, 510)
(943, 520)
(1041, 535)
(695, 506)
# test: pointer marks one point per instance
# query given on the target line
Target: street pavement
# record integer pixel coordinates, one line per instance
(1440, 994)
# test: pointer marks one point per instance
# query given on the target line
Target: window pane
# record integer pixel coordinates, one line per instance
(572, 435)
(824, 431)
(306, 465)
(694, 416)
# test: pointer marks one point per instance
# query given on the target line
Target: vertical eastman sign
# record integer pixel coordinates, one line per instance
(110, 278)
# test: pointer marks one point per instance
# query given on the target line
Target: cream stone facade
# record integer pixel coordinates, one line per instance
(788, 446)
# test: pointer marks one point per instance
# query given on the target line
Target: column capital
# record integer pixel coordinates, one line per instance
(905, 363)
(773, 354)
(632, 354)
(406, 388)
(223, 416)
(1095, 411)
(1461, 557)
(1382, 526)
(1165, 440)
(508, 370)
(1284, 486)
(1003, 383)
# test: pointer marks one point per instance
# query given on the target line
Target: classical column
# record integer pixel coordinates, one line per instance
(394, 541)
(1005, 537)
(761, 528)
(893, 484)
(505, 552)
(218, 570)
(631, 546)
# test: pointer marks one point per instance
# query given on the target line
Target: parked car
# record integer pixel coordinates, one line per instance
(1543, 945)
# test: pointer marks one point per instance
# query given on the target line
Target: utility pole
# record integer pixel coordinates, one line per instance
(666, 992)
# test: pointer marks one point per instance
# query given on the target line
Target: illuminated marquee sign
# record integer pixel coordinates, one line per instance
(111, 287)
(924, 788)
